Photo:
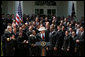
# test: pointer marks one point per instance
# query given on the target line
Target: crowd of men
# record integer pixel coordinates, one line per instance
(65, 35)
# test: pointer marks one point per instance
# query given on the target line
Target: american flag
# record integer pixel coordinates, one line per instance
(73, 10)
(19, 14)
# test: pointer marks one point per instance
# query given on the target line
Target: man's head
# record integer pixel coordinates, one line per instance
(42, 29)
(20, 33)
(66, 33)
(46, 18)
(52, 25)
(54, 18)
(47, 25)
(78, 26)
(51, 28)
(14, 25)
(34, 23)
(70, 25)
(26, 24)
(70, 29)
(41, 18)
(63, 27)
(14, 30)
(33, 32)
(81, 29)
(73, 33)
(36, 19)
(23, 26)
(9, 28)
(30, 28)
(61, 21)
(12, 15)
(53, 21)
(65, 19)
(58, 27)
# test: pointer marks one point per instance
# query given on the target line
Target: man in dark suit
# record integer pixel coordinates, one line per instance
(59, 41)
(47, 25)
(15, 32)
(20, 44)
(43, 35)
(52, 41)
(33, 49)
(12, 45)
(7, 37)
(45, 20)
(26, 44)
(74, 46)
(81, 41)
(66, 44)
(29, 31)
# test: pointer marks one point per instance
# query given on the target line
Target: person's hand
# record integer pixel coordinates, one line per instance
(13, 37)
(34, 45)
(47, 48)
(61, 48)
(77, 41)
(55, 48)
(24, 41)
(67, 49)
(27, 42)
(8, 39)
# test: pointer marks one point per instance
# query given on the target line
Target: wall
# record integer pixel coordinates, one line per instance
(80, 9)
(11, 7)
(4, 7)
(62, 8)
(29, 8)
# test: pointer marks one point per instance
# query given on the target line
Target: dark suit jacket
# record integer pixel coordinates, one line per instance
(52, 39)
(73, 43)
(28, 33)
(59, 39)
(81, 38)
(20, 42)
(32, 39)
(66, 43)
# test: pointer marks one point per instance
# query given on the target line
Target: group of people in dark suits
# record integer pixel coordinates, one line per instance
(66, 37)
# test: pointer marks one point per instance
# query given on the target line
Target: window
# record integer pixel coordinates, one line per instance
(51, 11)
(39, 11)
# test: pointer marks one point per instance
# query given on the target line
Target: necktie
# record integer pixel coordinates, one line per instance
(42, 37)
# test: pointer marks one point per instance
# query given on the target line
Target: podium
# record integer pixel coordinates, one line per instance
(43, 45)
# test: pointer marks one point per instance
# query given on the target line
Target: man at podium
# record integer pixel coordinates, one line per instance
(43, 37)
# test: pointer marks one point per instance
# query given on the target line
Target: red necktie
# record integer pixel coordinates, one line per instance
(43, 37)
